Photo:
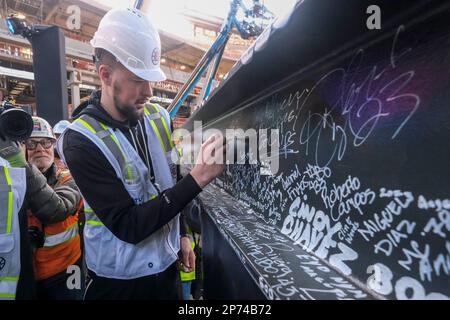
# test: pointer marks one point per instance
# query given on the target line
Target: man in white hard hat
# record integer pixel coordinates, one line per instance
(60, 127)
(60, 248)
(119, 152)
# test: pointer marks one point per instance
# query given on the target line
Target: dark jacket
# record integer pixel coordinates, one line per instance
(26, 287)
(47, 204)
(107, 195)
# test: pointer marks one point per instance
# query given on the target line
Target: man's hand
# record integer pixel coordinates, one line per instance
(187, 255)
(12, 152)
(210, 161)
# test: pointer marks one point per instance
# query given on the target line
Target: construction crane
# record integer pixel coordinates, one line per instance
(256, 18)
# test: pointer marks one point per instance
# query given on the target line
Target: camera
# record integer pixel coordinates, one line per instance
(15, 123)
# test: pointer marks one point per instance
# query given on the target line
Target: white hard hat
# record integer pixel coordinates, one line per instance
(61, 126)
(129, 35)
(41, 129)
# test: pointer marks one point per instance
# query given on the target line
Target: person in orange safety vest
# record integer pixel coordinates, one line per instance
(53, 227)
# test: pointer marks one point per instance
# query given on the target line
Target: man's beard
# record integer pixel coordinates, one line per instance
(128, 111)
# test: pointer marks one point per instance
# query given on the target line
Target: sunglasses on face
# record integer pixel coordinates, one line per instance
(45, 143)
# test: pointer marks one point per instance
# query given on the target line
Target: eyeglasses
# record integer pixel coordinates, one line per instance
(45, 143)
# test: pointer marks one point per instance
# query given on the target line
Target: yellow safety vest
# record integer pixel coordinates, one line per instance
(12, 194)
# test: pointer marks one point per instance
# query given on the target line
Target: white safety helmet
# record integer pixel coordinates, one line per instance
(129, 35)
(42, 129)
(61, 126)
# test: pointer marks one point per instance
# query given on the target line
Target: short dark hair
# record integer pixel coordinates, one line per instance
(101, 56)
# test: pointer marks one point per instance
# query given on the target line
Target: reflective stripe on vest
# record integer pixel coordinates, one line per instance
(91, 218)
(8, 288)
(6, 199)
(100, 130)
(106, 255)
(157, 118)
(62, 237)
(12, 193)
(160, 126)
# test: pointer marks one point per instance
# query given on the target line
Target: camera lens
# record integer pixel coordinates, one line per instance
(16, 124)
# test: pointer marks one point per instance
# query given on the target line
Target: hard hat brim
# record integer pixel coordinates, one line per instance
(154, 75)
(42, 136)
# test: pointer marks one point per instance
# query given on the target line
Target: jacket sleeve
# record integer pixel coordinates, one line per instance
(107, 196)
(50, 205)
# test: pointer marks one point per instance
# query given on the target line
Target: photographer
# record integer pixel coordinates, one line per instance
(16, 272)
